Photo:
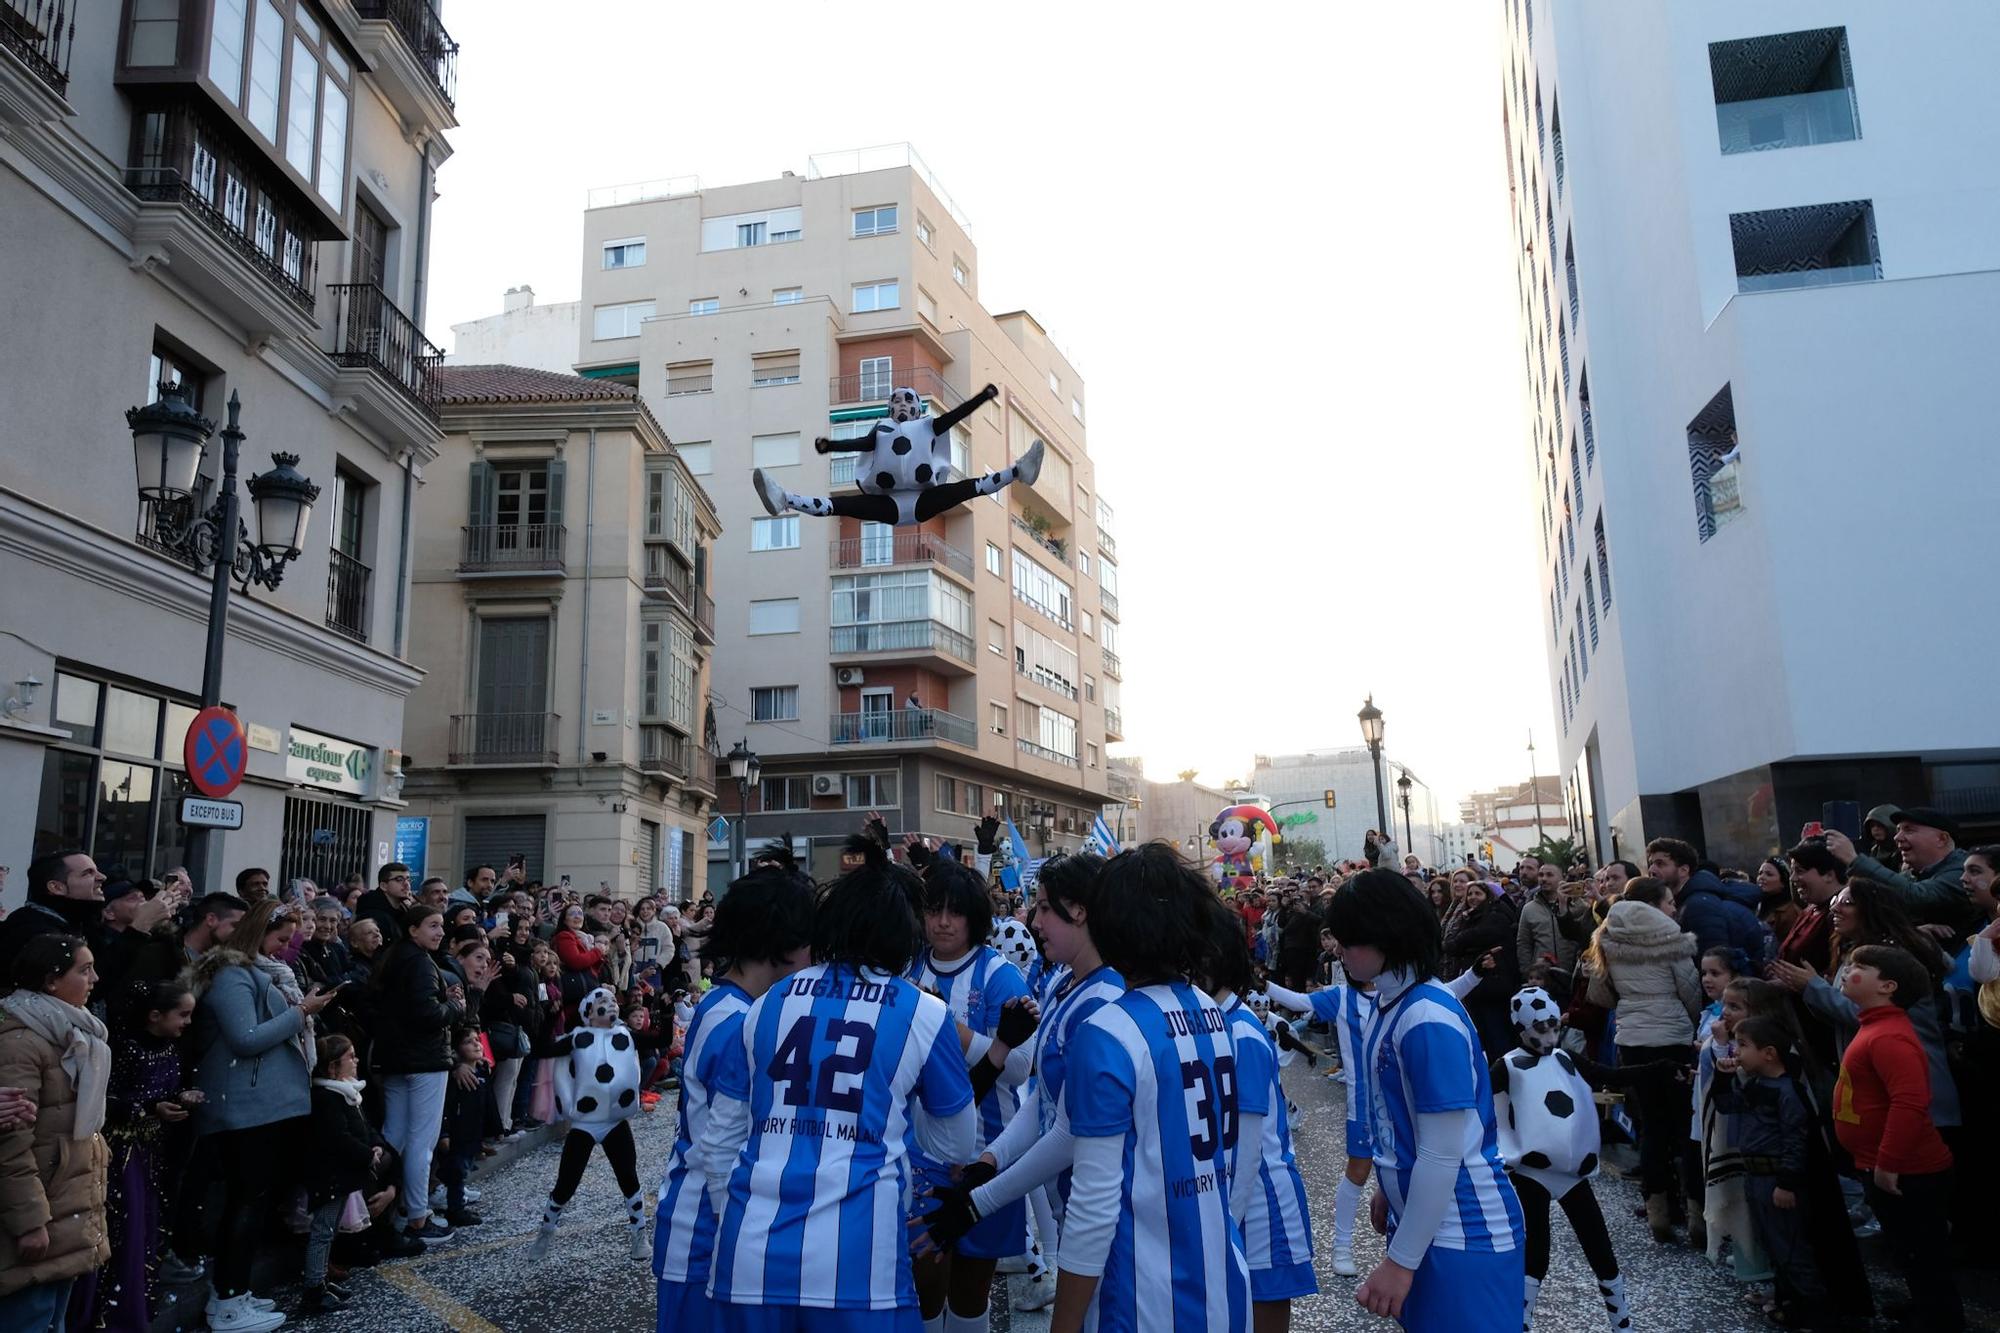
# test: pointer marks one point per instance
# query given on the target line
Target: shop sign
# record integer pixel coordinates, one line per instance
(413, 838)
(325, 761)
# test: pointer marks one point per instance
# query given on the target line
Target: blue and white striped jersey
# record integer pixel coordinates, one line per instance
(684, 1226)
(1277, 1232)
(1424, 1056)
(1156, 1067)
(1063, 1011)
(974, 988)
(1352, 1012)
(819, 1197)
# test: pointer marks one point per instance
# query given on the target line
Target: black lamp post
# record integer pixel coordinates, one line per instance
(1045, 824)
(1403, 785)
(1535, 791)
(169, 441)
(1371, 731)
(746, 769)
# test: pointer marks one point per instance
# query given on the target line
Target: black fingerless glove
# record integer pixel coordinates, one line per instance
(987, 836)
(952, 1218)
(1017, 1024)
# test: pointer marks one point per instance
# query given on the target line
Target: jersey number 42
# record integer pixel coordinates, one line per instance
(837, 1085)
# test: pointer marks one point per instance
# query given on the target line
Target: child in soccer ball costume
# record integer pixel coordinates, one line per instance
(597, 1088)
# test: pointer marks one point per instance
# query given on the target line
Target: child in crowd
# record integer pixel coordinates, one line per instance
(1771, 1123)
(597, 1088)
(342, 1162)
(464, 1121)
(1881, 1112)
(1713, 1172)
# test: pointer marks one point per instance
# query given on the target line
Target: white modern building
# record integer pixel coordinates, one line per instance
(1759, 283)
(1299, 782)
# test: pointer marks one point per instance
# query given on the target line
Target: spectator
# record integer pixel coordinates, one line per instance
(434, 892)
(364, 946)
(215, 918)
(251, 1045)
(65, 897)
(386, 903)
(1817, 876)
(1879, 829)
(326, 954)
(342, 1163)
(1647, 978)
(1554, 923)
(511, 1014)
(464, 1125)
(1932, 879)
(135, 937)
(1717, 913)
(1439, 895)
(253, 886)
(414, 1009)
(478, 886)
(582, 963)
(1611, 880)
(1489, 924)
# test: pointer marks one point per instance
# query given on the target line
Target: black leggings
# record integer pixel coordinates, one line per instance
(1585, 1219)
(619, 1150)
(248, 1161)
(882, 508)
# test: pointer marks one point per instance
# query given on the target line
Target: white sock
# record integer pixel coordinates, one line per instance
(1615, 1309)
(635, 1211)
(966, 1323)
(1533, 1291)
(935, 1324)
(1346, 1204)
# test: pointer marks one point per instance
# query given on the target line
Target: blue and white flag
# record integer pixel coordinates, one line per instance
(1016, 862)
(1100, 839)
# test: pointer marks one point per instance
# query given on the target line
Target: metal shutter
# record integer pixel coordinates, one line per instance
(491, 839)
(649, 857)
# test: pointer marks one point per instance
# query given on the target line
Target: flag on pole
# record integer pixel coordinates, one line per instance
(1100, 839)
(1017, 862)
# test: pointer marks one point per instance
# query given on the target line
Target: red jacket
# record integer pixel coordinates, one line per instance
(574, 955)
(1882, 1104)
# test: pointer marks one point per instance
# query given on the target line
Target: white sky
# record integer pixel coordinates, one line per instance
(1278, 253)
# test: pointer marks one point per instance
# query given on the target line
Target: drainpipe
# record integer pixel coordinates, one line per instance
(423, 240)
(403, 553)
(583, 672)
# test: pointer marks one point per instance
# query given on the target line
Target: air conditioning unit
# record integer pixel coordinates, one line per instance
(847, 675)
(826, 784)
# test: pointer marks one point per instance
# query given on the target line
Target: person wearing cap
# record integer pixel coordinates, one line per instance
(1932, 880)
(137, 941)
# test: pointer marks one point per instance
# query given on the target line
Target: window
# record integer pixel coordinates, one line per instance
(875, 221)
(704, 305)
(687, 377)
(738, 230)
(1050, 664)
(156, 34)
(947, 794)
(113, 787)
(878, 378)
(1090, 689)
(1047, 734)
(302, 108)
(267, 64)
(996, 638)
(1603, 565)
(924, 230)
(1083, 563)
(786, 793)
(1590, 601)
(870, 790)
(621, 321)
(876, 296)
(169, 365)
(1819, 245)
(927, 306)
(774, 703)
(652, 668)
(332, 182)
(1556, 140)
(961, 451)
(1090, 752)
(787, 295)
(959, 273)
(775, 534)
(1089, 626)
(771, 368)
(1055, 385)
(700, 458)
(628, 253)
(779, 615)
(1042, 590)
(996, 718)
(1076, 408)
(993, 560)
(897, 597)
(1790, 90)
(1713, 461)
(159, 19)
(775, 450)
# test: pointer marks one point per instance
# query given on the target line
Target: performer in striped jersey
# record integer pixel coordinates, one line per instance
(1455, 1258)
(762, 932)
(806, 1146)
(1148, 1245)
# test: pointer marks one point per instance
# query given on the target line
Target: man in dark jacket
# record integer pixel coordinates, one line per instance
(1931, 882)
(387, 901)
(65, 896)
(1717, 913)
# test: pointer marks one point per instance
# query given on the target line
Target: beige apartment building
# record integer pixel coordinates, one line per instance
(928, 673)
(230, 196)
(565, 633)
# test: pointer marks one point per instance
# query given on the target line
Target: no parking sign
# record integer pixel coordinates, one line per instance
(216, 752)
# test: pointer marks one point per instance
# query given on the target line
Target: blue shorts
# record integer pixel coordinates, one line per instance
(1360, 1143)
(685, 1308)
(1283, 1284)
(1001, 1235)
(1466, 1291)
(798, 1319)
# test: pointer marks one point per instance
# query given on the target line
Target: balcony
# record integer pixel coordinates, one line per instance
(413, 57)
(1107, 545)
(845, 390)
(666, 575)
(40, 34)
(899, 546)
(527, 739)
(664, 752)
(1796, 121)
(1109, 601)
(902, 724)
(371, 334)
(1043, 538)
(704, 616)
(225, 222)
(1046, 755)
(914, 640)
(702, 778)
(347, 595)
(1114, 725)
(1112, 667)
(1808, 277)
(513, 548)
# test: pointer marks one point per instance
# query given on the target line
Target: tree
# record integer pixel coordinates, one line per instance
(1559, 851)
(1294, 852)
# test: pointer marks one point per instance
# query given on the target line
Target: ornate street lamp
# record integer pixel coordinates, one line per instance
(169, 440)
(1403, 785)
(1371, 731)
(745, 767)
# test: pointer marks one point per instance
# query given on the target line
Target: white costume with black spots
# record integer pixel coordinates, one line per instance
(597, 1088)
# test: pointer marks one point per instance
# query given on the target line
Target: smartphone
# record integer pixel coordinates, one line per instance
(1842, 817)
(565, 881)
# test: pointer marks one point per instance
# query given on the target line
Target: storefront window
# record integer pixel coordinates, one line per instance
(114, 786)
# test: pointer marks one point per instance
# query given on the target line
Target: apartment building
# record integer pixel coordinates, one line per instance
(930, 673)
(564, 642)
(1758, 270)
(1300, 782)
(230, 197)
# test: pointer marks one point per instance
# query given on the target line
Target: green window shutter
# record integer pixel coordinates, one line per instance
(556, 470)
(481, 493)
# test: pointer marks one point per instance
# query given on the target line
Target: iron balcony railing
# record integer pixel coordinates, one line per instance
(1046, 755)
(875, 386)
(42, 33)
(902, 724)
(1055, 546)
(428, 41)
(1109, 601)
(899, 546)
(666, 574)
(902, 636)
(370, 332)
(513, 546)
(347, 595)
(1114, 722)
(704, 614)
(703, 776)
(504, 738)
(183, 159)
(663, 750)
(1112, 667)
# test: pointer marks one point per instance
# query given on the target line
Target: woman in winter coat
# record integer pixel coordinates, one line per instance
(510, 1014)
(252, 1050)
(582, 961)
(52, 1167)
(415, 1008)
(1488, 923)
(1643, 970)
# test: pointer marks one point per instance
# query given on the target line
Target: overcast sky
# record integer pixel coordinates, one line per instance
(1278, 253)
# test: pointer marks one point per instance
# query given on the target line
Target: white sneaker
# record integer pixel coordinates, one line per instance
(237, 1315)
(545, 1239)
(471, 1194)
(1037, 1293)
(440, 1200)
(642, 1244)
(1029, 465)
(769, 493)
(254, 1301)
(1343, 1261)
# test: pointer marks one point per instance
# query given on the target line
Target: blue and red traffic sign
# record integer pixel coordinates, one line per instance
(216, 752)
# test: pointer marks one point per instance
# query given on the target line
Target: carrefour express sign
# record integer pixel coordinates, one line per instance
(325, 761)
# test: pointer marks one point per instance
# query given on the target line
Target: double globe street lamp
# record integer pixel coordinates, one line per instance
(747, 769)
(1371, 731)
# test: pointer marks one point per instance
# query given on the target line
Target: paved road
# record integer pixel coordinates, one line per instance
(481, 1282)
